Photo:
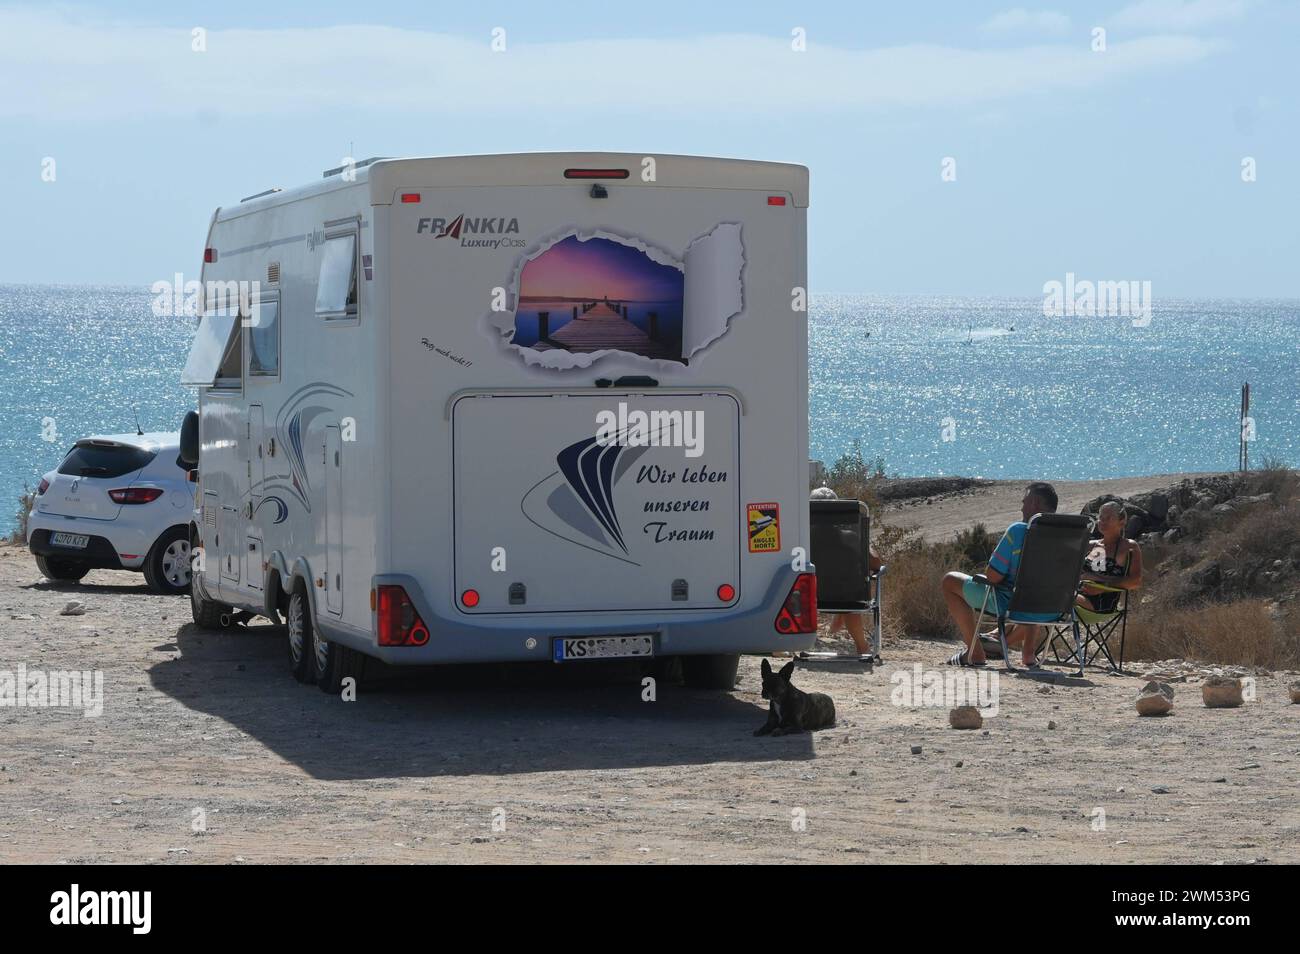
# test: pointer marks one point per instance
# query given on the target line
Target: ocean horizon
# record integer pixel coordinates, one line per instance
(932, 385)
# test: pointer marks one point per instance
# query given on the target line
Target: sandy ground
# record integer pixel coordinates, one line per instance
(998, 505)
(417, 769)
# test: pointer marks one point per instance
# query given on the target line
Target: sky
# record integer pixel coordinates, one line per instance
(959, 147)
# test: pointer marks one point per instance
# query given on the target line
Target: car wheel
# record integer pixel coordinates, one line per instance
(61, 570)
(710, 672)
(332, 663)
(300, 630)
(167, 567)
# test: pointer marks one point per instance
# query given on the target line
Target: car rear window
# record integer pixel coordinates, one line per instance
(89, 460)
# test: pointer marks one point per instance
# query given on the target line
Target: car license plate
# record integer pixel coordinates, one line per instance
(568, 649)
(75, 540)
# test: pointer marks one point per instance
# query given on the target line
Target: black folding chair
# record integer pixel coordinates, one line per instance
(840, 535)
(1051, 562)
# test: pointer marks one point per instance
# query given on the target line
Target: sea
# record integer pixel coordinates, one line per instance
(927, 385)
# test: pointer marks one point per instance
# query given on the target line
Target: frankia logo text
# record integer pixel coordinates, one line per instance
(103, 907)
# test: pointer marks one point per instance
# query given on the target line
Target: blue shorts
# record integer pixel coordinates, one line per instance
(976, 593)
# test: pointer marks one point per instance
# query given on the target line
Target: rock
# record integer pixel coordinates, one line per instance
(1221, 692)
(73, 609)
(965, 717)
(1051, 726)
(1172, 534)
(1155, 699)
(1159, 790)
(1294, 690)
(916, 750)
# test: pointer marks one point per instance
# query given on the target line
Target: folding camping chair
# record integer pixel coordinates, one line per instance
(1050, 564)
(1098, 628)
(840, 534)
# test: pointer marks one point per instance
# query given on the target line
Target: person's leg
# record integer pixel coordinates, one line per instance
(1029, 637)
(858, 630)
(962, 614)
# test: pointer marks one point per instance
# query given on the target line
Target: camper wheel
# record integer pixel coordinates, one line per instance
(710, 672)
(333, 663)
(299, 627)
(208, 614)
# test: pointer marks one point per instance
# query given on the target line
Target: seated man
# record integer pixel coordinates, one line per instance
(965, 595)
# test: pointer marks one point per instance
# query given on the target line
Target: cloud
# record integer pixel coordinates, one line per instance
(69, 69)
(1035, 21)
(1177, 15)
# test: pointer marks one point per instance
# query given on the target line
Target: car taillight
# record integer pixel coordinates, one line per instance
(135, 495)
(43, 486)
(398, 623)
(799, 614)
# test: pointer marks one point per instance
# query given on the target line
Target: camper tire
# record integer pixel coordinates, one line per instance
(167, 567)
(208, 614)
(299, 628)
(334, 662)
(710, 672)
(60, 570)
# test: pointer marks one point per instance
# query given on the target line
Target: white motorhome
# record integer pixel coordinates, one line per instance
(517, 407)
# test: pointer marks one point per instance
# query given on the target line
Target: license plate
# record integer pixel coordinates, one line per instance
(568, 649)
(75, 540)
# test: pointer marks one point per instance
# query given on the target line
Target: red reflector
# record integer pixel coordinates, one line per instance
(129, 556)
(135, 495)
(776, 200)
(726, 592)
(410, 197)
(799, 614)
(595, 173)
(209, 255)
(469, 598)
(397, 622)
(43, 486)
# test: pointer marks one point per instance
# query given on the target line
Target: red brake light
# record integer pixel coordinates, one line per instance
(726, 592)
(595, 173)
(470, 598)
(209, 255)
(409, 197)
(799, 614)
(776, 200)
(43, 486)
(397, 622)
(135, 495)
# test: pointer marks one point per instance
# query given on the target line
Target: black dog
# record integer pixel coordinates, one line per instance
(793, 710)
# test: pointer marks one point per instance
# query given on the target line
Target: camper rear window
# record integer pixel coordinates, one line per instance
(336, 290)
(88, 460)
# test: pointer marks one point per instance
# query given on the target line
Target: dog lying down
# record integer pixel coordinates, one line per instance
(793, 710)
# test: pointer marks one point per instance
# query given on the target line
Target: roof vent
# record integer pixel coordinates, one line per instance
(250, 198)
(356, 165)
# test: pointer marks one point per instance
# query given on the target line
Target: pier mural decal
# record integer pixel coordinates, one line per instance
(585, 295)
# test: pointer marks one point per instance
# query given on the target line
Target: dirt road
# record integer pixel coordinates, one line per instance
(997, 505)
(209, 727)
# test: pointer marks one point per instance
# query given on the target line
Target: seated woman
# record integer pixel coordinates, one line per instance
(853, 622)
(1114, 561)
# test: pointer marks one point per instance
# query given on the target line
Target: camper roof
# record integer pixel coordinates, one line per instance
(385, 177)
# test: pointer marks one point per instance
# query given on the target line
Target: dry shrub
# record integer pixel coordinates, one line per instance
(914, 605)
(1242, 633)
(26, 500)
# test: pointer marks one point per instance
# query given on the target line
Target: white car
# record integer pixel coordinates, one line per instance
(117, 502)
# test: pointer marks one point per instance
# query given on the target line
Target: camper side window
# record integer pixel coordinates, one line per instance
(230, 373)
(336, 290)
(264, 338)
